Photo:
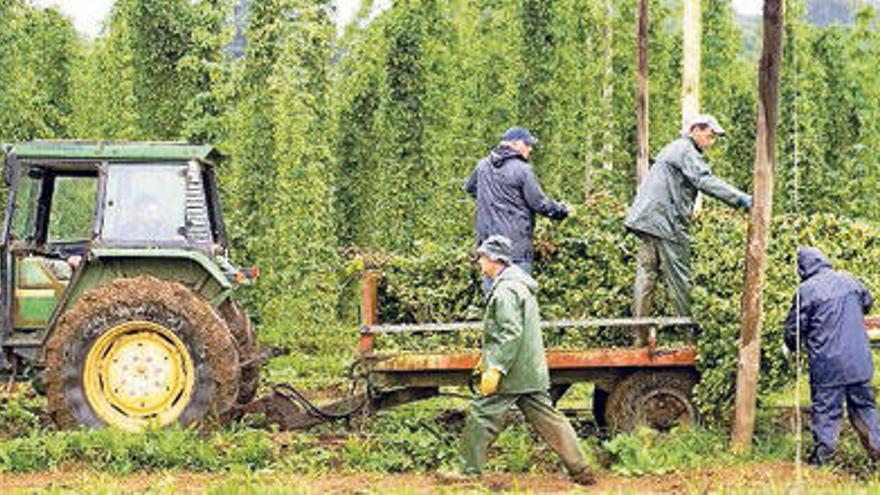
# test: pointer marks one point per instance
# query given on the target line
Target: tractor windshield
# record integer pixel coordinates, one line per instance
(145, 204)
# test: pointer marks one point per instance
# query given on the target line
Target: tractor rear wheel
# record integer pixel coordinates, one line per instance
(660, 400)
(248, 349)
(137, 353)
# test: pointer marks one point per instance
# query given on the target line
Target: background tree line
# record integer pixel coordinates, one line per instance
(359, 142)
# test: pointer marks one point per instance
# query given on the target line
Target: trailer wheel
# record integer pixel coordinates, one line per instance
(248, 349)
(137, 353)
(660, 400)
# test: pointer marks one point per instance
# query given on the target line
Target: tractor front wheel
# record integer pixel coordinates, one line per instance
(139, 353)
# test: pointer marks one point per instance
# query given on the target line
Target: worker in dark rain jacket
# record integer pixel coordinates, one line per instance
(508, 197)
(514, 370)
(829, 310)
(661, 211)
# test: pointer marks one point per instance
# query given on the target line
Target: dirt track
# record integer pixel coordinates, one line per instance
(755, 478)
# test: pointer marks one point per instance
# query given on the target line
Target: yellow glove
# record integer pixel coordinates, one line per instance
(489, 381)
(478, 368)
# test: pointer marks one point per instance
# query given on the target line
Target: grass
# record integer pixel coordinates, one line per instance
(734, 481)
(412, 440)
(416, 438)
(116, 452)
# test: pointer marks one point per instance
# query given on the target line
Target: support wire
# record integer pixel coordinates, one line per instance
(799, 473)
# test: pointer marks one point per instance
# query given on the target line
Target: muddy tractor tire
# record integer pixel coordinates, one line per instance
(248, 349)
(660, 400)
(138, 353)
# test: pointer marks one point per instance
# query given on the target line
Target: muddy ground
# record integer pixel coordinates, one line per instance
(771, 477)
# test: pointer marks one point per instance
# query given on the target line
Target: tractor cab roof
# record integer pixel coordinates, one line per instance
(49, 152)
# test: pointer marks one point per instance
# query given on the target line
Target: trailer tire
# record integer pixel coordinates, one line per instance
(248, 349)
(192, 365)
(660, 400)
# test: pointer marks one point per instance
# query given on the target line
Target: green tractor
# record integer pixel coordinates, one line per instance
(116, 293)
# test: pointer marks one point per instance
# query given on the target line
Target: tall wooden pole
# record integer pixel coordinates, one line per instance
(608, 86)
(692, 39)
(642, 92)
(607, 102)
(759, 228)
(690, 73)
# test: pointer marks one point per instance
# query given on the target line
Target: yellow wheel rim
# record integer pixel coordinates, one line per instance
(138, 375)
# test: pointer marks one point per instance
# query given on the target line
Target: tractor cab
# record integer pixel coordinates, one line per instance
(66, 199)
(113, 255)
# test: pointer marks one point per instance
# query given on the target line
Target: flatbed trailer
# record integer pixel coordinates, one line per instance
(641, 384)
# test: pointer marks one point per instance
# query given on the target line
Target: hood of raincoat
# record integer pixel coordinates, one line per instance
(499, 155)
(811, 261)
(514, 273)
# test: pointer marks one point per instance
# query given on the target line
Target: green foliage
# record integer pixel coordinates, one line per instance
(646, 452)
(106, 107)
(120, 452)
(718, 279)
(247, 176)
(37, 50)
(395, 127)
(204, 69)
(307, 457)
(585, 269)
(279, 178)
(156, 73)
(300, 252)
(20, 416)
(317, 359)
(159, 39)
(836, 108)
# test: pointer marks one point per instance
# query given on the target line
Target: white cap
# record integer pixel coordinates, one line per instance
(706, 119)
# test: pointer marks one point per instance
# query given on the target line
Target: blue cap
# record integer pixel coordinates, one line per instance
(519, 134)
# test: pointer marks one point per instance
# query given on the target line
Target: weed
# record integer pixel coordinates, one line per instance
(21, 414)
(650, 452)
(515, 451)
(307, 457)
(120, 452)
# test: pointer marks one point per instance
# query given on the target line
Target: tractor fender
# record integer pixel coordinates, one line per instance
(209, 265)
(101, 266)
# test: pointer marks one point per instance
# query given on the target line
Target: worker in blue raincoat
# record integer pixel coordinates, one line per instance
(829, 310)
(509, 196)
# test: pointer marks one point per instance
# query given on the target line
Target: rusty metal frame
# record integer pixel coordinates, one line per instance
(659, 323)
(648, 356)
(557, 359)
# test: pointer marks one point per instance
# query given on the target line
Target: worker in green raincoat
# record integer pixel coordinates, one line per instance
(661, 212)
(514, 369)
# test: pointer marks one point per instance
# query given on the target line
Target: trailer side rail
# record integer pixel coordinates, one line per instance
(659, 323)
